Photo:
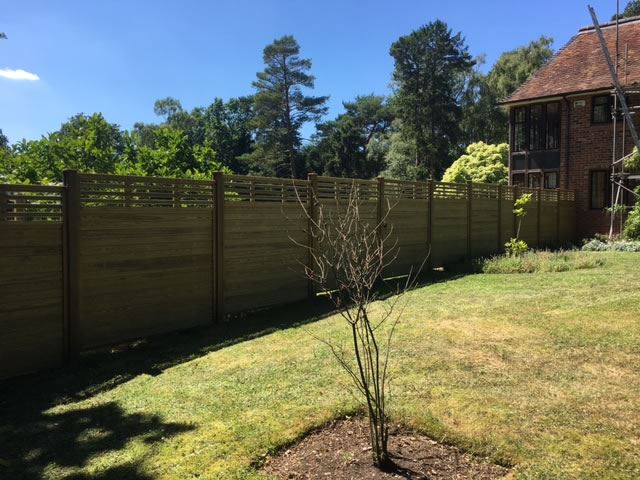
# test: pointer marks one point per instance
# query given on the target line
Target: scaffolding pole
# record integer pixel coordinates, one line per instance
(617, 180)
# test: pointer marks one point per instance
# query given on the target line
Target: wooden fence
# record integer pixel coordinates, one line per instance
(105, 259)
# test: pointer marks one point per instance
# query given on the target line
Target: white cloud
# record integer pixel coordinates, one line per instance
(18, 74)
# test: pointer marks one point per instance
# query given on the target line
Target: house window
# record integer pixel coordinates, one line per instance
(601, 109)
(551, 180)
(553, 126)
(600, 189)
(517, 180)
(535, 180)
(536, 127)
(519, 129)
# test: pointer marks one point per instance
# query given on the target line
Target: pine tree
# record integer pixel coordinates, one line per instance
(282, 108)
(431, 65)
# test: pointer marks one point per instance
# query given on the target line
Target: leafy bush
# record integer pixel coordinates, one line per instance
(599, 245)
(515, 247)
(632, 224)
(482, 163)
(540, 261)
(633, 161)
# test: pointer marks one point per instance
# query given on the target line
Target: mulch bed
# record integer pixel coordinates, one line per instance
(341, 451)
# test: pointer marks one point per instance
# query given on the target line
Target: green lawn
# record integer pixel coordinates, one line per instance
(538, 371)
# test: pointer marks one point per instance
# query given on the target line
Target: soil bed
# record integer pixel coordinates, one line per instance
(340, 451)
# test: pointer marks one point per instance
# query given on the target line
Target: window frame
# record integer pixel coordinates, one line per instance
(606, 185)
(609, 105)
(546, 183)
(525, 128)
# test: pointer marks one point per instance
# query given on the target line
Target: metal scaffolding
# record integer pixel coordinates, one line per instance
(618, 174)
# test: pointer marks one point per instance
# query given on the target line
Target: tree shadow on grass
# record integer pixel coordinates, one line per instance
(101, 370)
(33, 443)
(31, 439)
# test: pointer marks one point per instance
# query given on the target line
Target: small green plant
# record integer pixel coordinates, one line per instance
(515, 246)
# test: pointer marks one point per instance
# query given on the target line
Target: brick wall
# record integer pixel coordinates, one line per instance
(585, 147)
(588, 147)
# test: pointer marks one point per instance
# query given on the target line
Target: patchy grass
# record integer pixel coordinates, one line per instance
(540, 261)
(539, 371)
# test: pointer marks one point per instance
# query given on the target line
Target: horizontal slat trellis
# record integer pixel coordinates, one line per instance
(109, 258)
(124, 191)
(31, 203)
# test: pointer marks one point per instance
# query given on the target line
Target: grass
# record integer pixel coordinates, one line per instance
(540, 261)
(539, 371)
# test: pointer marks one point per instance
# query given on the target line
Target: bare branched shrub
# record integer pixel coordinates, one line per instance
(349, 253)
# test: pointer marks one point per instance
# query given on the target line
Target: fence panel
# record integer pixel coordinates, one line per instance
(146, 257)
(507, 225)
(31, 279)
(529, 225)
(548, 218)
(567, 217)
(449, 223)
(407, 204)
(484, 219)
(263, 218)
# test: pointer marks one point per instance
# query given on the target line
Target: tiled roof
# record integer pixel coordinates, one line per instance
(580, 65)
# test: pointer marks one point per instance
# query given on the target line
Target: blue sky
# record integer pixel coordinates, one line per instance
(118, 57)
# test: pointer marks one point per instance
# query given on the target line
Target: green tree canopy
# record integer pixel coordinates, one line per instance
(88, 143)
(282, 108)
(483, 119)
(340, 147)
(481, 163)
(515, 67)
(4, 141)
(632, 9)
(400, 156)
(431, 64)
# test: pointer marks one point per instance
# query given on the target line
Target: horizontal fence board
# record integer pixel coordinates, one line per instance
(31, 296)
(144, 270)
(262, 265)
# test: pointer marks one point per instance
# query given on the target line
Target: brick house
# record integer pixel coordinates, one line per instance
(561, 127)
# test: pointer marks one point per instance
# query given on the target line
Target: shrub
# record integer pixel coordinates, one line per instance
(482, 163)
(540, 261)
(515, 247)
(632, 225)
(598, 245)
(633, 161)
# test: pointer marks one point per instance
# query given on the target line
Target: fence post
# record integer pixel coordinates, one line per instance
(469, 213)
(312, 198)
(4, 203)
(219, 254)
(516, 194)
(127, 192)
(380, 206)
(539, 215)
(499, 218)
(558, 237)
(71, 259)
(431, 186)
